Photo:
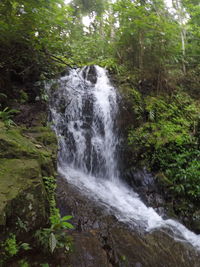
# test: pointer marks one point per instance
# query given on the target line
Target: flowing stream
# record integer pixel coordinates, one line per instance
(84, 108)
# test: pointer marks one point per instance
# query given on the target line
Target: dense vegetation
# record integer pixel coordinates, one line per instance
(151, 50)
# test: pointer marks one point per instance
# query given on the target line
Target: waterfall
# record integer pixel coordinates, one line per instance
(84, 108)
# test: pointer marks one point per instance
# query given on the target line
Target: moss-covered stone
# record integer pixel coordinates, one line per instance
(43, 135)
(22, 193)
(23, 163)
(14, 145)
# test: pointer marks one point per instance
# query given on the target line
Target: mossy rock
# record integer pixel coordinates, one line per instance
(23, 163)
(22, 193)
(44, 136)
(14, 145)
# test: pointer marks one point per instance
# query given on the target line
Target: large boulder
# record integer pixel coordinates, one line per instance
(24, 160)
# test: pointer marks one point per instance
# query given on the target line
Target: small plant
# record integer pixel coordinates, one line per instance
(23, 263)
(11, 247)
(6, 114)
(55, 236)
(50, 186)
(21, 225)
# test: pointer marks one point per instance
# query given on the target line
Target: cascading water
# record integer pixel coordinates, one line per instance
(84, 110)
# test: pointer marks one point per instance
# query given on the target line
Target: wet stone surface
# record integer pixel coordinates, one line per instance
(100, 240)
(144, 184)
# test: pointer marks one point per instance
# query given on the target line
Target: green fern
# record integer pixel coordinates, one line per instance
(6, 114)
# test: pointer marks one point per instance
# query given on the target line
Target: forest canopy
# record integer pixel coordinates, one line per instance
(143, 36)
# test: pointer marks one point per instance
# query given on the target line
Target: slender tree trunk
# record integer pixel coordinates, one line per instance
(141, 50)
(181, 17)
(183, 49)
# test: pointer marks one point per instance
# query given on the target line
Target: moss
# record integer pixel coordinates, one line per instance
(23, 163)
(46, 138)
(14, 145)
(16, 177)
(43, 135)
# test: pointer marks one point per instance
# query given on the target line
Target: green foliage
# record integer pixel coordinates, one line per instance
(55, 236)
(167, 119)
(90, 6)
(167, 139)
(6, 114)
(11, 247)
(21, 225)
(181, 166)
(50, 186)
(40, 38)
(141, 36)
(112, 65)
(33, 37)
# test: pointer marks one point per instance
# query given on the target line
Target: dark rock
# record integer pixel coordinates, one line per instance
(65, 72)
(100, 240)
(145, 185)
(31, 114)
(196, 221)
(90, 74)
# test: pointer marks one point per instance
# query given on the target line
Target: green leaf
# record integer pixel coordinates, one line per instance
(25, 246)
(66, 218)
(68, 225)
(52, 242)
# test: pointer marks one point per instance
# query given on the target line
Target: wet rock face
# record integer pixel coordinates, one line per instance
(101, 241)
(196, 221)
(145, 185)
(90, 74)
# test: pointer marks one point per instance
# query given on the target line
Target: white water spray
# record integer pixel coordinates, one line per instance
(84, 110)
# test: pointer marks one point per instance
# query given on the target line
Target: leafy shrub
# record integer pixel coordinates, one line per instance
(181, 165)
(50, 186)
(6, 114)
(55, 236)
(167, 139)
(11, 247)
